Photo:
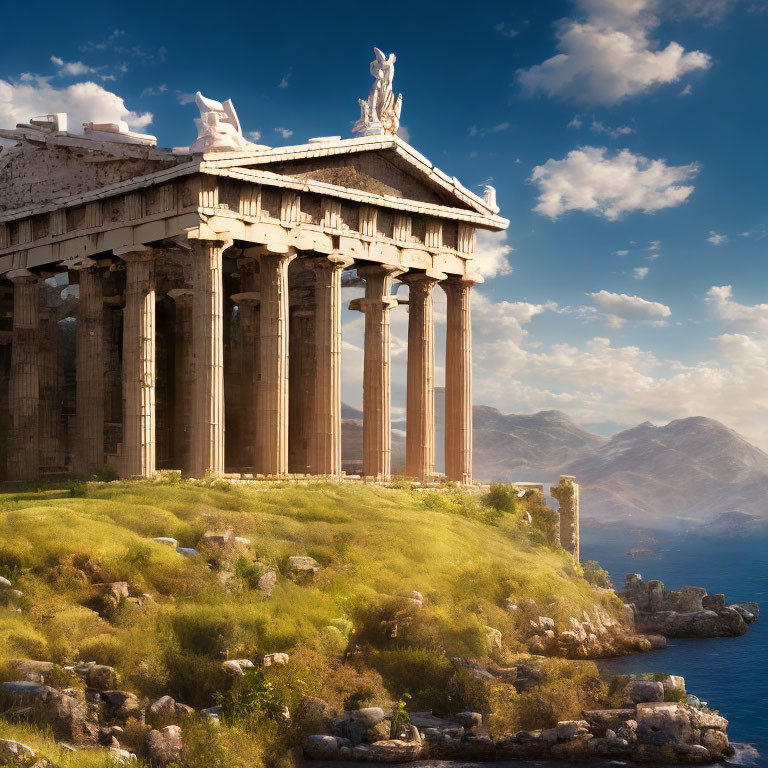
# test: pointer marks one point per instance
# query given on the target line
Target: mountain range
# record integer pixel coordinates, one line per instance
(691, 472)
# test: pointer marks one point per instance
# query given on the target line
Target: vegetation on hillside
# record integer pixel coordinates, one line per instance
(355, 634)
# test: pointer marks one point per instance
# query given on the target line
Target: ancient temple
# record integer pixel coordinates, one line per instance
(204, 331)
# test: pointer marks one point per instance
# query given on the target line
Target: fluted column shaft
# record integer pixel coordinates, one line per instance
(89, 363)
(377, 395)
(208, 344)
(458, 380)
(139, 365)
(272, 413)
(24, 385)
(420, 405)
(183, 378)
(325, 454)
(52, 457)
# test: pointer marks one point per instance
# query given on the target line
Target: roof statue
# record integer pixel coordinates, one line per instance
(218, 129)
(489, 197)
(380, 114)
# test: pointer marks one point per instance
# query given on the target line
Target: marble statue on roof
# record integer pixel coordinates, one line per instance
(380, 114)
(218, 128)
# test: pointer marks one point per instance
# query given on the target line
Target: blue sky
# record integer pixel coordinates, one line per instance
(626, 139)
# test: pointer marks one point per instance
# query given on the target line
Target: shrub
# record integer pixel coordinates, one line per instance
(208, 745)
(501, 497)
(422, 675)
(595, 574)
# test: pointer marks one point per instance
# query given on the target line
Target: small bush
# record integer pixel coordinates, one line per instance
(501, 497)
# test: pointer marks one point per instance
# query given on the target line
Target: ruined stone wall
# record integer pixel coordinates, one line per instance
(567, 495)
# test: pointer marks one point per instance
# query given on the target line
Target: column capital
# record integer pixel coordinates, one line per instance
(247, 298)
(22, 277)
(335, 260)
(372, 269)
(179, 294)
(270, 249)
(78, 263)
(463, 281)
(426, 279)
(363, 304)
(132, 253)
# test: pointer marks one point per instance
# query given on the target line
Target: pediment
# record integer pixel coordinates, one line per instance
(372, 172)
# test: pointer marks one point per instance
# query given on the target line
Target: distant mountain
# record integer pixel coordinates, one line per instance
(695, 468)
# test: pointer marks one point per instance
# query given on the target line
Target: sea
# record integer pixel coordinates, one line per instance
(730, 674)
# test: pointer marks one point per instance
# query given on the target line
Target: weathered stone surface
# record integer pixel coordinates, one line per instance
(34, 671)
(121, 706)
(66, 714)
(275, 660)
(237, 667)
(166, 711)
(267, 582)
(15, 753)
(644, 691)
(165, 745)
(101, 677)
(301, 567)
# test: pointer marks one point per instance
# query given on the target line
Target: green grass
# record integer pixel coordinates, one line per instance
(375, 546)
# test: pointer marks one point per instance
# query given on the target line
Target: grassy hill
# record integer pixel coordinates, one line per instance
(355, 633)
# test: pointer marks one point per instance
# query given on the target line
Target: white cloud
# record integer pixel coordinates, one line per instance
(185, 98)
(576, 122)
(591, 179)
(622, 253)
(687, 91)
(84, 102)
(640, 273)
(491, 254)
(505, 29)
(716, 239)
(619, 308)
(743, 316)
(253, 135)
(286, 79)
(72, 68)
(155, 90)
(286, 133)
(614, 133)
(606, 54)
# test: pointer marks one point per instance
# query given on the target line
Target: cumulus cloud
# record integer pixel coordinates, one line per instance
(616, 309)
(286, 133)
(83, 102)
(491, 254)
(640, 273)
(743, 316)
(716, 239)
(620, 130)
(72, 68)
(606, 54)
(610, 185)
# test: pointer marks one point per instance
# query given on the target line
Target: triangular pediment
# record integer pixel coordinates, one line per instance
(372, 172)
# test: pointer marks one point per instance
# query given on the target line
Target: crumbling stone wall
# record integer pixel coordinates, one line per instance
(566, 492)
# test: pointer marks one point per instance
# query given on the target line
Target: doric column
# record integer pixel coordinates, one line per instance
(248, 352)
(377, 426)
(325, 445)
(184, 378)
(208, 346)
(272, 412)
(301, 383)
(52, 457)
(420, 407)
(88, 456)
(458, 379)
(24, 386)
(139, 367)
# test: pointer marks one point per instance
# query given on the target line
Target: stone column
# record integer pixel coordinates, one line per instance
(184, 378)
(301, 383)
(325, 445)
(420, 406)
(377, 423)
(249, 351)
(458, 379)
(272, 411)
(24, 385)
(52, 455)
(567, 495)
(88, 455)
(208, 345)
(139, 374)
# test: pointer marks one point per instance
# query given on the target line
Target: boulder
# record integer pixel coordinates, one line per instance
(275, 660)
(5, 583)
(493, 638)
(662, 724)
(302, 568)
(658, 642)
(165, 745)
(713, 602)
(23, 690)
(749, 606)
(166, 711)
(364, 726)
(122, 756)
(187, 551)
(15, 753)
(469, 720)
(101, 677)
(237, 667)
(644, 691)
(313, 711)
(34, 671)
(121, 706)
(267, 582)
(166, 541)
(66, 714)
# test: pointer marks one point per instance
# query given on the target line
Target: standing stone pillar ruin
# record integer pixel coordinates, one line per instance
(458, 379)
(139, 371)
(88, 456)
(24, 385)
(325, 445)
(272, 412)
(377, 427)
(184, 377)
(51, 453)
(420, 402)
(567, 495)
(207, 418)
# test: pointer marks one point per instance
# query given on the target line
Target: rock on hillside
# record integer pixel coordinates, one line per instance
(694, 468)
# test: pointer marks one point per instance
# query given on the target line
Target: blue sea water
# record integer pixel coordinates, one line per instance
(731, 674)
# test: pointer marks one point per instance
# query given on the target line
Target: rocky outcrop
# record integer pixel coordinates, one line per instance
(165, 746)
(593, 636)
(686, 612)
(655, 731)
